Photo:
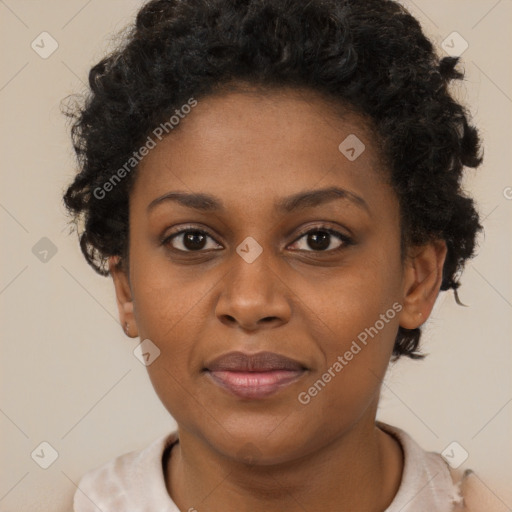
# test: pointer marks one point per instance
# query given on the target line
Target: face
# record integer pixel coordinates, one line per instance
(295, 252)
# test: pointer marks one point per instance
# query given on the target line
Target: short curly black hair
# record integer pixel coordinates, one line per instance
(370, 56)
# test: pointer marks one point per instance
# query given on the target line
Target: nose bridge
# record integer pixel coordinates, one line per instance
(252, 292)
(250, 272)
(252, 277)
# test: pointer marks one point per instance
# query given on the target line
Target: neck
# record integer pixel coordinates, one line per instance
(360, 470)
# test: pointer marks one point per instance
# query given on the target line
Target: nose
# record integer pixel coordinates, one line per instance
(253, 296)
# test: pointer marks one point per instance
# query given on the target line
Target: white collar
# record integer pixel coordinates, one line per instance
(426, 483)
(135, 482)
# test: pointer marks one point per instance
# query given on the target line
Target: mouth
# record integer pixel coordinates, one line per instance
(254, 376)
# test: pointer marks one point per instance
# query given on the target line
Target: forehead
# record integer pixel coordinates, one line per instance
(247, 144)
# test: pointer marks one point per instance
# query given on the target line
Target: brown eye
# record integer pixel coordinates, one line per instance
(191, 240)
(321, 240)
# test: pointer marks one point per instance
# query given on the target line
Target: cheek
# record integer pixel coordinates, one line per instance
(347, 299)
(165, 295)
(353, 315)
(356, 339)
(168, 312)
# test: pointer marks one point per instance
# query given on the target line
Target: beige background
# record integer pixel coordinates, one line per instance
(68, 374)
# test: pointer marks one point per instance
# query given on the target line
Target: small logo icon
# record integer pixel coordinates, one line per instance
(44, 250)
(44, 455)
(454, 45)
(146, 352)
(249, 249)
(507, 192)
(249, 453)
(352, 147)
(455, 455)
(44, 45)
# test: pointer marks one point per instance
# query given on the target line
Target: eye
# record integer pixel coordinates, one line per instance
(191, 240)
(321, 239)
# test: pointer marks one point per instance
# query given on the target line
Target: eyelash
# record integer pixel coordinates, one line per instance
(346, 240)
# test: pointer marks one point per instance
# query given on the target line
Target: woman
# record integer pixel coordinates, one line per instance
(274, 187)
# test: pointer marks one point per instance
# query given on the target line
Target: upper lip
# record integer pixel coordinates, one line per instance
(259, 362)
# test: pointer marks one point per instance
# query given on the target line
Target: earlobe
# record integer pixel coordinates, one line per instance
(123, 297)
(423, 275)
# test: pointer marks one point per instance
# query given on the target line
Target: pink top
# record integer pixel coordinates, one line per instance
(134, 482)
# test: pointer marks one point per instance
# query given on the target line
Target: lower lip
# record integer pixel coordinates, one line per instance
(254, 385)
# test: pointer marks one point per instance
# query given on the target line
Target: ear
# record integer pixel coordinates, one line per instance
(123, 296)
(423, 275)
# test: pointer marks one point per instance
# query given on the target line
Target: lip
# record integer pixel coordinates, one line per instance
(254, 376)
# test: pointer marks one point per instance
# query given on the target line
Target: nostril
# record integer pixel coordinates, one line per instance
(230, 318)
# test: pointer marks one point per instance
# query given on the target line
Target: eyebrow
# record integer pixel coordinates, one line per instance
(307, 199)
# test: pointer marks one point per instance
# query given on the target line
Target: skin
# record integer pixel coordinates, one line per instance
(250, 151)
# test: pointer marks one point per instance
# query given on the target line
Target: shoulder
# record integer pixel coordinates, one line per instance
(426, 483)
(126, 481)
(476, 496)
(430, 483)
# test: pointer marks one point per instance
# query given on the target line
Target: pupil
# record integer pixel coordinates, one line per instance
(319, 240)
(194, 240)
